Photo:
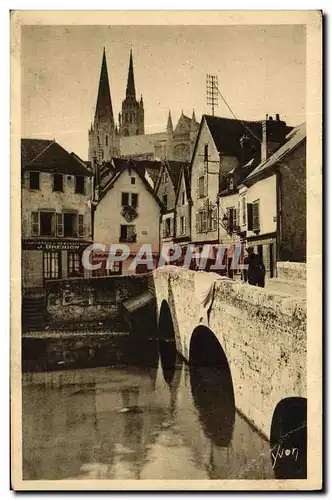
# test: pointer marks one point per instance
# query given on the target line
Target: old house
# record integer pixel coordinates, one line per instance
(182, 233)
(127, 211)
(166, 190)
(274, 195)
(56, 213)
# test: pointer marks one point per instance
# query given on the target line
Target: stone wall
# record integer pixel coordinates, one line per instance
(292, 270)
(96, 299)
(263, 335)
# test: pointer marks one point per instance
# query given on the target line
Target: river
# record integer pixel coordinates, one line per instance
(137, 422)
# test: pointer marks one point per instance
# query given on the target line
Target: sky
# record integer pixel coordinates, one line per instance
(261, 70)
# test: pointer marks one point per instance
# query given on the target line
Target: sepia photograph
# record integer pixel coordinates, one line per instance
(166, 188)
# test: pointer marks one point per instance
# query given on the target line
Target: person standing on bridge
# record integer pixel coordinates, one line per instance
(255, 273)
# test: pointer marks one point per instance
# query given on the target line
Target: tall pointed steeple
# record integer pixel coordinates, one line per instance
(169, 127)
(104, 109)
(131, 92)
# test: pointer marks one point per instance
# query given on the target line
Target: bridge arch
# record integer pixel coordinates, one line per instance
(288, 438)
(212, 386)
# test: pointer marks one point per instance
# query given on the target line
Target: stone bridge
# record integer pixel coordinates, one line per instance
(259, 336)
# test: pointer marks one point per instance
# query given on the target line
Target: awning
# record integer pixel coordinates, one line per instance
(138, 302)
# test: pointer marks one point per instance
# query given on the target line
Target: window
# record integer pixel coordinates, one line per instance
(69, 221)
(57, 182)
(134, 199)
(133, 180)
(244, 211)
(125, 199)
(255, 216)
(34, 180)
(106, 140)
(129, 199)
(80, 225)
(182, 198)
(75, 266)
(52, 265)
(182, 225)
(202, 186)
(231, 183)
(79, 184)
(35, 223)
(164, 200)
(206, 153)
(201, 221)
(128, 233)
(46, 223)
(167, 228)
(231, 215)
(59, 224)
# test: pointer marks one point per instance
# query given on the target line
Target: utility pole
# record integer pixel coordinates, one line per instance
(212, 91)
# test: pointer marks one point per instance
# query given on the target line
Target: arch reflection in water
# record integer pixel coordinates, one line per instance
(212, 386)
(167, 344)
(288, 439)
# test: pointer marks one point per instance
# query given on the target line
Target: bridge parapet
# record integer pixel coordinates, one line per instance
(262, 333)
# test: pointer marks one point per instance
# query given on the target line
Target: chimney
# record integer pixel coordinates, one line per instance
(273, 136)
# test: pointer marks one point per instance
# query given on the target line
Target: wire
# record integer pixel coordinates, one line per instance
(236, 118)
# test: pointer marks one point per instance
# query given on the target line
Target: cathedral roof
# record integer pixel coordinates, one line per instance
(104, 109)
(49, 156)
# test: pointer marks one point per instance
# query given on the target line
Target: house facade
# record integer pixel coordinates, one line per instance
(56, 213)
(275, 194)
(166, 191)
(127, 212)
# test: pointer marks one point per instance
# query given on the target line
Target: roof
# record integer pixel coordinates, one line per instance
(227, 132)
(120, 165)
(293, 139)
(140, 144)
(185, 172)
(174, 169)
(49, 156)
(104, 109)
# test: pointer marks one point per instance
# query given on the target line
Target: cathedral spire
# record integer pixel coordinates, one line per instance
(104, 110)
(131, 92)
(169, 122)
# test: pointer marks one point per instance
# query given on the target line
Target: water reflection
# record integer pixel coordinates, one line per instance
(164, 422)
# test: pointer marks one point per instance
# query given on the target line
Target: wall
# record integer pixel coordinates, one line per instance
(293, 205)
(86, 300)
(108, 216)
(182, 211)
(213, 182)
(263, 335)
(166, 188)
(266, 191)
(292, 270)
(32, 269)
(46, 199)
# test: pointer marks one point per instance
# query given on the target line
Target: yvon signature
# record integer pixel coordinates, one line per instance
(280, 453)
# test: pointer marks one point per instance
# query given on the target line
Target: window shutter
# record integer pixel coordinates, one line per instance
(59, 224)
(214, 219)
(171, 227)
(238, 214)
(184, 225)
(205, 185)
(249, 216)
(80, 225)
(35, 223)
(164, 228)
(197, 187)
(255, 216)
